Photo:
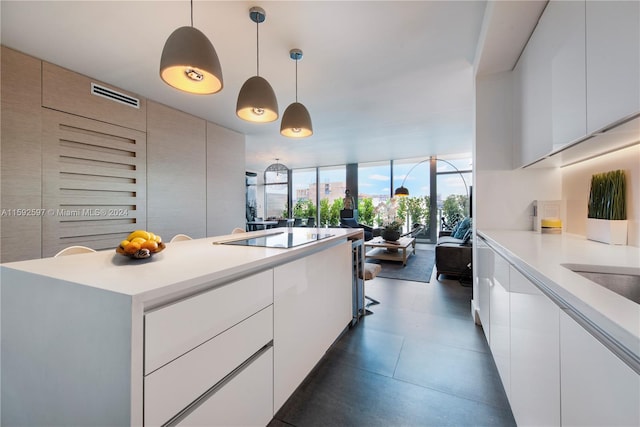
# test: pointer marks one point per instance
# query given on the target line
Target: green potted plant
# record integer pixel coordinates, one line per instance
(607, 209)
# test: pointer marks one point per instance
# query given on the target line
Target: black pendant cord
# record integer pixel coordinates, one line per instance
(192, 13)
(257, 48)
(296, 80)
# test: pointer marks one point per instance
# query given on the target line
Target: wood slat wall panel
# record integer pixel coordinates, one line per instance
(68, 91)
(89, 205)
(20, 156)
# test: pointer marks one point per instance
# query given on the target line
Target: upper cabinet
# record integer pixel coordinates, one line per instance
(550, 96)
(613, 62)
(577, 75)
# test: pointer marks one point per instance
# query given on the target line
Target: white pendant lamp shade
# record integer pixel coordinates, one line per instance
(296, 121)
(190, 63)
(257, 101)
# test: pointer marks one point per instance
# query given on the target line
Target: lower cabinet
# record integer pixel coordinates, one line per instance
(598, 389)
(499, 320)
(175, 386)
(484, 256)
(312, 305)
(535, 364)
(246, 400)
(555, 373)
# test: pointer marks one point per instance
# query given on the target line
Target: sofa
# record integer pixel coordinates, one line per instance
(453, 251)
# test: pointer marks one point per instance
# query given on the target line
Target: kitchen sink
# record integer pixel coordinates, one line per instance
(624, 281)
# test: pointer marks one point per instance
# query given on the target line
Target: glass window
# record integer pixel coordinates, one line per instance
(415, 177)
(251, 181)
(304, 187)
(276, 191)
(333, 183)
(374, 187)
(453, 190)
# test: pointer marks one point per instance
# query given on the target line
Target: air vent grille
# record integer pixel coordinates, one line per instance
(113, 95)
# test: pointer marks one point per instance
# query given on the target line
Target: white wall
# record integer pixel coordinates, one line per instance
(576, 180)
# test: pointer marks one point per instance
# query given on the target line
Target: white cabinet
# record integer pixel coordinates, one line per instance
(175, 329)
(312, 305)
(613, 61)
(483, 269)
(246, 400)
(535, 354)
(550, 94)
(598, 389)
(193, 344)
(499, 300)
(175, 386)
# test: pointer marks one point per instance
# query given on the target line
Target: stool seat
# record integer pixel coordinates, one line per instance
(370, 270)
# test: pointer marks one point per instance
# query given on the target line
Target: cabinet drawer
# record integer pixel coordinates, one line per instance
(246, 400)
(175, 386)
(175, 329)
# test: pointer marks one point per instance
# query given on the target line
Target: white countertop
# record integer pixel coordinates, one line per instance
(540, 256)
(177, 268)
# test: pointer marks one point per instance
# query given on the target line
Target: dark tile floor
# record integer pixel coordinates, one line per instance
(419, 360)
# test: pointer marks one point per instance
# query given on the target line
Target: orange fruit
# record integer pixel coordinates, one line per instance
(132, 247)
(152, 245)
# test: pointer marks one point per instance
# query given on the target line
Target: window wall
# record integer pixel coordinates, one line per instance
(332, 185)
(415, 176)
(304, 195)
(453, 190)
(374, 188)
(276, 191)
(318, 193)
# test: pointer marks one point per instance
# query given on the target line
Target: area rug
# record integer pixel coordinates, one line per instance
(418, 269)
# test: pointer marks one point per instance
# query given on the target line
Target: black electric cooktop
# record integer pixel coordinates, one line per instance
(281, 239)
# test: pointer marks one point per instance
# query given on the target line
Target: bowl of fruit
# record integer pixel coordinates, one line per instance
(141, 244)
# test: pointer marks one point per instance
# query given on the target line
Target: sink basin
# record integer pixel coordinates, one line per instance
(624, 281)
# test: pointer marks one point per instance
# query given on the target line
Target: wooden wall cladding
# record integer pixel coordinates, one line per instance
(176, 175)
(70, 92)
(226, 186)
(94, 182)
(20, 157)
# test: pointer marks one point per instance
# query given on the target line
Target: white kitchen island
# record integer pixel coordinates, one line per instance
(201, 333)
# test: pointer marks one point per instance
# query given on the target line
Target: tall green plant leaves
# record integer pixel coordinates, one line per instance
(607, 197)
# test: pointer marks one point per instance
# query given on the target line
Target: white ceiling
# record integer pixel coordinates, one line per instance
(381, 79)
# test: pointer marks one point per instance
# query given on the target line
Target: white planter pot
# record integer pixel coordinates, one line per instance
(613, 232)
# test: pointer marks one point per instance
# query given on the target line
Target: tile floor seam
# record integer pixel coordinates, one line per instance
(449, 393)
(395, 366)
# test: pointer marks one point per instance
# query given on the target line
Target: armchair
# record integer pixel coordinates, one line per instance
(369, 232)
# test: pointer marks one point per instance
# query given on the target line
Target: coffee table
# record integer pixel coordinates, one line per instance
(378, 248)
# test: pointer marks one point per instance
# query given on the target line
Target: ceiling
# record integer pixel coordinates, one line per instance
(381, 79)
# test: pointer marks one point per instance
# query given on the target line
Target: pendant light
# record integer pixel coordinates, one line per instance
(190, 63)
(296, 121)
(256, 101)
